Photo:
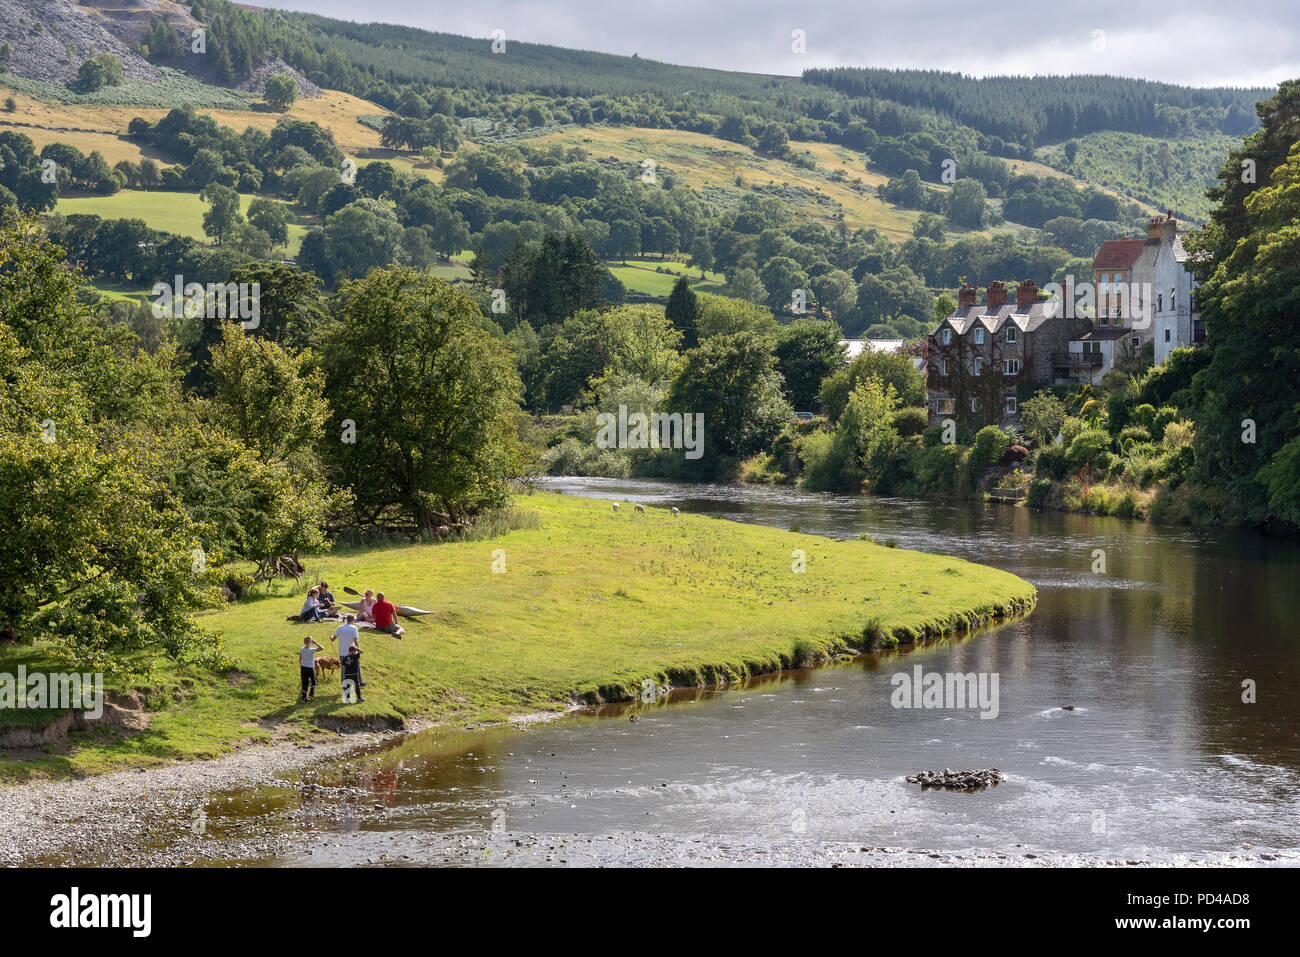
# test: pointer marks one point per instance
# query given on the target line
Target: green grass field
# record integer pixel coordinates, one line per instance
(591, 603)
(179, 213)
(640, 275)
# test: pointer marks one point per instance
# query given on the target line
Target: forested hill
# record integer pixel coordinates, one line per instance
(406, 54)
(1044, 109)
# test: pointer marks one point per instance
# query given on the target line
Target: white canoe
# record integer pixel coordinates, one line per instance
(405, 611)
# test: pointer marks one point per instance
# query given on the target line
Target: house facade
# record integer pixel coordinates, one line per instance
(983, 361)
(1144, 289)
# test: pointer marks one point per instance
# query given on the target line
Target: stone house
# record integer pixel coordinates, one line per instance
(983, 361)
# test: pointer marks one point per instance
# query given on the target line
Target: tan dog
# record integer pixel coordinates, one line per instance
(326, 663)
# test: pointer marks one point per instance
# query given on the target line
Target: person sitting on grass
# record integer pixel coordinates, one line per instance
(365, 607)
(311, 609)
(326, 598)
(307, 665)
(351, 668)
(385, 613)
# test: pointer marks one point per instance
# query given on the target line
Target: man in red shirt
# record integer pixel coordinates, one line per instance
(385, 613)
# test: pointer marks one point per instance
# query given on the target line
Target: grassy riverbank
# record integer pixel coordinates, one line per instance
(591, 604)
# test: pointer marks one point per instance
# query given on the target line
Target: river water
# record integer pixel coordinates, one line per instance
(1148, 633)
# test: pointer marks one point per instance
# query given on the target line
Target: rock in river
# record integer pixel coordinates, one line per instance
(960, 780)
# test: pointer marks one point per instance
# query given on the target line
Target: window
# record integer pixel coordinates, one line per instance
(1166, 335)
(979, 337)
(947, 338)
(974, 404)
(1137, 342)
(1011, 333)
(1160, 302)
(946, 407)
(978, 367)
(1011, 367)
(1011, 405)
(943, 367)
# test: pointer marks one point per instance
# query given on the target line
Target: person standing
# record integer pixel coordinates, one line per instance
(351, 668)
(346, 635)
(307, 665)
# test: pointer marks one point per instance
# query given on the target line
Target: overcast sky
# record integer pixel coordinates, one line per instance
(1194, 42)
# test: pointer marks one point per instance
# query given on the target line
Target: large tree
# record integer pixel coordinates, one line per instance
(424, 401)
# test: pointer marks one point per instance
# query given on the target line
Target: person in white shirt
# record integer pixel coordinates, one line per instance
(307, 664)
(347, 635)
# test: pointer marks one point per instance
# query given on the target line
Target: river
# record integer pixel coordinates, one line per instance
(1151, 635)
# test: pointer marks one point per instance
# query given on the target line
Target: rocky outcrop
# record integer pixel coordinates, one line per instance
(957, 780)
(50, 40)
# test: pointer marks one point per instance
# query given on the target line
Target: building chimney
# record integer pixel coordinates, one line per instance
(1026, 295)
(1155, 227)
(997, 296)
(966, 296)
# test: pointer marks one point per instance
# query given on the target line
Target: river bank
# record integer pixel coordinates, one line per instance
(586, 605)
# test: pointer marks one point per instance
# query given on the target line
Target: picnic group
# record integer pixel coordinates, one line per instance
(372, 612)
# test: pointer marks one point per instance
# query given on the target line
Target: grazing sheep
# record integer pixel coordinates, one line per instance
(675, 512)
(443, 532)
(640, 508)
(616, 506)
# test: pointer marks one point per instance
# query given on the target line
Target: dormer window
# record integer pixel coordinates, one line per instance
(1011, 333)
(979, 337)
(947, 337)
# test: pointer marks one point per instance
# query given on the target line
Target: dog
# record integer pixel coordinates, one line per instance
(639, 508)
(326, 663)
(616, 506)
(675, 512)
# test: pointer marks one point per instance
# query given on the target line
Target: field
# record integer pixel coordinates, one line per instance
(639, 275)
(102, 126)
(590, 604)
(180, 213)
(707, 163)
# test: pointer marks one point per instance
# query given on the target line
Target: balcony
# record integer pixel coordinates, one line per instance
(1076, 360)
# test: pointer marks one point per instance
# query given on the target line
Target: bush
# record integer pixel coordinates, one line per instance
(1014, 454)
(1164, 415)
(1135, 433)
(1086, 448)
(1178, 434)
(990, 445)
(910, 421)
(1051, 461)
(1144, 414)
(1040, 491)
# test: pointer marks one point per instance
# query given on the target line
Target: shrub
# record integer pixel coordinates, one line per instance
(990, 445)
(1179, 434)
(1134, 432)
(1040, 491)
(1144, 414)
(1086, 448)
(1014, 454)
(1051, 461)
(1164, 415)
(912, 420)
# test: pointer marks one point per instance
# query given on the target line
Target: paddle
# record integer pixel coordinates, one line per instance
(352, 591)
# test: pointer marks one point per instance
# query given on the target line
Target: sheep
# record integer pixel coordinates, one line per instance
(616, 506)
(640, 508)
(675, 512)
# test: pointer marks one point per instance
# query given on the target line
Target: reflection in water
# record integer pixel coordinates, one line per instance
(1121, 725)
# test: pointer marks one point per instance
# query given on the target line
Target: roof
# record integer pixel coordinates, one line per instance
(1038, 312)
(1104, 333)
(855, 347)
(1118, 253)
